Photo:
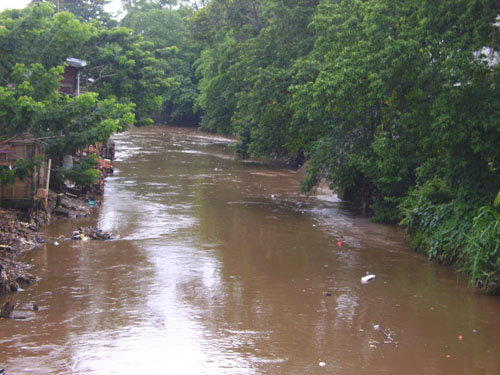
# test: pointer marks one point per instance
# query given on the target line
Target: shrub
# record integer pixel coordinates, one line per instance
(482, 248)
(85, 172)
(455, 229)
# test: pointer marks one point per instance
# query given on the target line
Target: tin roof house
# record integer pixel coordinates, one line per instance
(70, 84)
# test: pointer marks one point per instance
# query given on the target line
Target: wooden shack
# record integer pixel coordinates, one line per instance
(70, 84)
(32, 190)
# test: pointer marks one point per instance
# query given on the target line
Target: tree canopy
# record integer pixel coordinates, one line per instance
(34, 46)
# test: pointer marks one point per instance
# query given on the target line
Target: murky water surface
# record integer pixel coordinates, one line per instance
(221, 267)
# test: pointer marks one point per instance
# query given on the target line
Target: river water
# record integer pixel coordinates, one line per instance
(221, 267)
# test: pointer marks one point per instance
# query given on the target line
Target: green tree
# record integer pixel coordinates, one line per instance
(223, 27)
(146, 5)
(398, 90)
(34, 46)
(31, 104)
(124, 66)
(270, 64)
(34, 35)
(175, 52)
(86, 10)
(247, 68)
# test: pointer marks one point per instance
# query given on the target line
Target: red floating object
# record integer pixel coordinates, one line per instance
(340, 243)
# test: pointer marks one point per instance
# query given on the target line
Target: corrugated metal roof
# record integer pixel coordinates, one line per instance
(76, 63)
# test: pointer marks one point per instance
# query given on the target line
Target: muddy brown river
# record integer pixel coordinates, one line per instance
(222, 267)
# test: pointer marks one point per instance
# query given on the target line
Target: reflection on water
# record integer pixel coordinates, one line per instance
(222, 267)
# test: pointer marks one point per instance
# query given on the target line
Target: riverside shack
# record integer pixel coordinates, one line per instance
(70, 84)
(33, 189)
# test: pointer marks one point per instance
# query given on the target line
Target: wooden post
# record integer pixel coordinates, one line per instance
(78, 82)
(49, 166)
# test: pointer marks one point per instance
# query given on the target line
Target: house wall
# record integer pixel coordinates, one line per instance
(27, 192)
(68, 83)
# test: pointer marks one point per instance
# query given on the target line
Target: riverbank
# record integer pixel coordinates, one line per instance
(20, 229)
(20, 232)
(17, 235)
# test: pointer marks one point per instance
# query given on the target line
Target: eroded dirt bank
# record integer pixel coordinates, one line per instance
(20, 230)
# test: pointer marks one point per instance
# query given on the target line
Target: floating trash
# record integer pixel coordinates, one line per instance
(387, 333)
(87, 233)
(366, 279)
(322, 364)
(91, 202)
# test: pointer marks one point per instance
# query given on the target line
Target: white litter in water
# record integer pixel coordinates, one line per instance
(56, 243)
(366, 279)
(322, 364)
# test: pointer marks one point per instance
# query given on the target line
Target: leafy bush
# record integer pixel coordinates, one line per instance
(437, 191)
(386, 210)
(460, 231)
(437, 220)
(482, 248)
(6, 175)
(20, 170)
(437, 229)
(84, 173)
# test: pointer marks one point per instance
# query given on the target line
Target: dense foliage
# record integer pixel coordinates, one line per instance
(86, 10)
(175, 52)
(394, 103)
(34, 46)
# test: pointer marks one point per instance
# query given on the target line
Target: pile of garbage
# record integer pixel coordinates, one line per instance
(13, 275)
(18, 233)
(69, 206)
(84, 233)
